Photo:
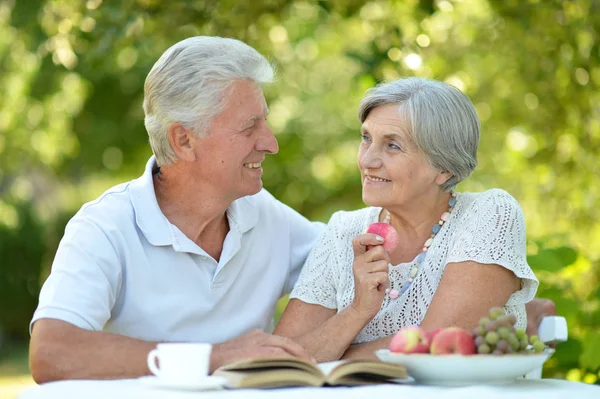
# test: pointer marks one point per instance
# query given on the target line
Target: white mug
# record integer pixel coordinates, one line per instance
(180, 361)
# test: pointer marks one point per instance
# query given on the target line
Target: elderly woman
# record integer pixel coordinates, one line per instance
(458, 254)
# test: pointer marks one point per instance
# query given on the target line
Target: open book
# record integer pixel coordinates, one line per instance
(283, 372)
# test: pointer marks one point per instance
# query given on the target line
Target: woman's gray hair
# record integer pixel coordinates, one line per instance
(441, 119)
(189, 82)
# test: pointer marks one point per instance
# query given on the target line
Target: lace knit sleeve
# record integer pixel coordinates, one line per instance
(493, 232)
(317, 283)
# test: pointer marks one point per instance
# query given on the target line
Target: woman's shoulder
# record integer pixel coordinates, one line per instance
(353, 222)
(492, 197)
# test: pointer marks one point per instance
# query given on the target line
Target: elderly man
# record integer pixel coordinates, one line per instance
(193, 250)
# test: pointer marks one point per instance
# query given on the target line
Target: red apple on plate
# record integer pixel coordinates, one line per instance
(389, 234)
(453, 340)
(411, 339)
(431, 334)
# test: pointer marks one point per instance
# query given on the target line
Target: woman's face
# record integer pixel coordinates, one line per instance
(394, 171)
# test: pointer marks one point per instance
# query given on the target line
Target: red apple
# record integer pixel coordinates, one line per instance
(453, 340)
(431, 334)
(411, 339)
(388, 233)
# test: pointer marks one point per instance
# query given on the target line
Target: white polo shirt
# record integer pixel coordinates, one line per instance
(122, 267)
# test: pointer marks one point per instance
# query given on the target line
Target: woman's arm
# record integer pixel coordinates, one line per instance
(325, 334)
(466, 292)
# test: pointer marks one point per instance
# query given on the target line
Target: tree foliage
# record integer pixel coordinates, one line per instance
(71, 80)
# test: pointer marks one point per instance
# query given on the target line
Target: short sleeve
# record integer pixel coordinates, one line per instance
(493, 232)
(303, 237)
(85, 278)
(317, 281)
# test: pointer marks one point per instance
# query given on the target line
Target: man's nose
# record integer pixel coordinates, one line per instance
(267, 141)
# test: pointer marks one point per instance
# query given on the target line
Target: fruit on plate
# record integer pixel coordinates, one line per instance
(411, 339)
(453, 340)
(388, 233)
(496, 334)
(431, 334)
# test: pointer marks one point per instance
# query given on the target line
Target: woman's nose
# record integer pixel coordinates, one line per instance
(369, 158)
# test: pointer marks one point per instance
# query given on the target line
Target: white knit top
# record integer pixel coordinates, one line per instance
(486, 228)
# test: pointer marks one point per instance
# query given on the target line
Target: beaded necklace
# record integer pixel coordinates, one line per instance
(420, 258)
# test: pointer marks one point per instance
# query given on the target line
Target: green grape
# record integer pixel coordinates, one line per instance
(478, 331)
(507, 320)
(492, 338)
(520, 333)
(524, 343)
(483, 348)
(479, 340)
(538, 346)
(496, 312)
(533, 339)
(490, 326)
(514, 342)
(497, 352)
(483, 321)
(503, 332)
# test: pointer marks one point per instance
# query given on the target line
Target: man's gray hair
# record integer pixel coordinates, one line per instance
(189, 82)
(441, 119)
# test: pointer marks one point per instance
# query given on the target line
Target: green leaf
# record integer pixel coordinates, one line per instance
(567, 255)
(544, 260)
(568, 353)
(552, 259)
(590, 358)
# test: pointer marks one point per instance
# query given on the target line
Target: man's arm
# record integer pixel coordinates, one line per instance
(60, 351)
(536, 310)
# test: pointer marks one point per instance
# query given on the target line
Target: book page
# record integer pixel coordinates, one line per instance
(356, 372)
(328, 366)
(272, 363)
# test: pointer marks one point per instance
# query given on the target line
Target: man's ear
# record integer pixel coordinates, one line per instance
(181, 140)
(443, 177)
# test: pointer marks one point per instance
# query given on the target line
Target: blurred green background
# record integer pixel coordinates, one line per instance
(71, 122)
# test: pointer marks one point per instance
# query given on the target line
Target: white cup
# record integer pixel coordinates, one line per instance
(183, 362)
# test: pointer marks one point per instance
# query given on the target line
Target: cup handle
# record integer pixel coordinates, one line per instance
(152, 356)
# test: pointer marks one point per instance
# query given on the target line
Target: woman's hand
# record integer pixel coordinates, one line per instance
(370, 270)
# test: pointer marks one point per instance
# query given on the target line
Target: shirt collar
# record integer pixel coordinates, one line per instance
(148, 215)
(242, 213)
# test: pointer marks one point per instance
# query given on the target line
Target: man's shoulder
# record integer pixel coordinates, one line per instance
(111, 208)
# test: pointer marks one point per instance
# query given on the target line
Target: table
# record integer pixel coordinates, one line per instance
(520, 389)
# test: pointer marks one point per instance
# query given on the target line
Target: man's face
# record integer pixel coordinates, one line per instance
(229, 158)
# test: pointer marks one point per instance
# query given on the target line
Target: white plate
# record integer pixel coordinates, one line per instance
(459, 370)
(211, 382)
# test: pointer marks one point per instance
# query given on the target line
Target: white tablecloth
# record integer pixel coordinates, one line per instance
(525, 389)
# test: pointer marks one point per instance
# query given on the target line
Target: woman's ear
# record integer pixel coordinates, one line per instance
(443, 177)
(181, 140)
